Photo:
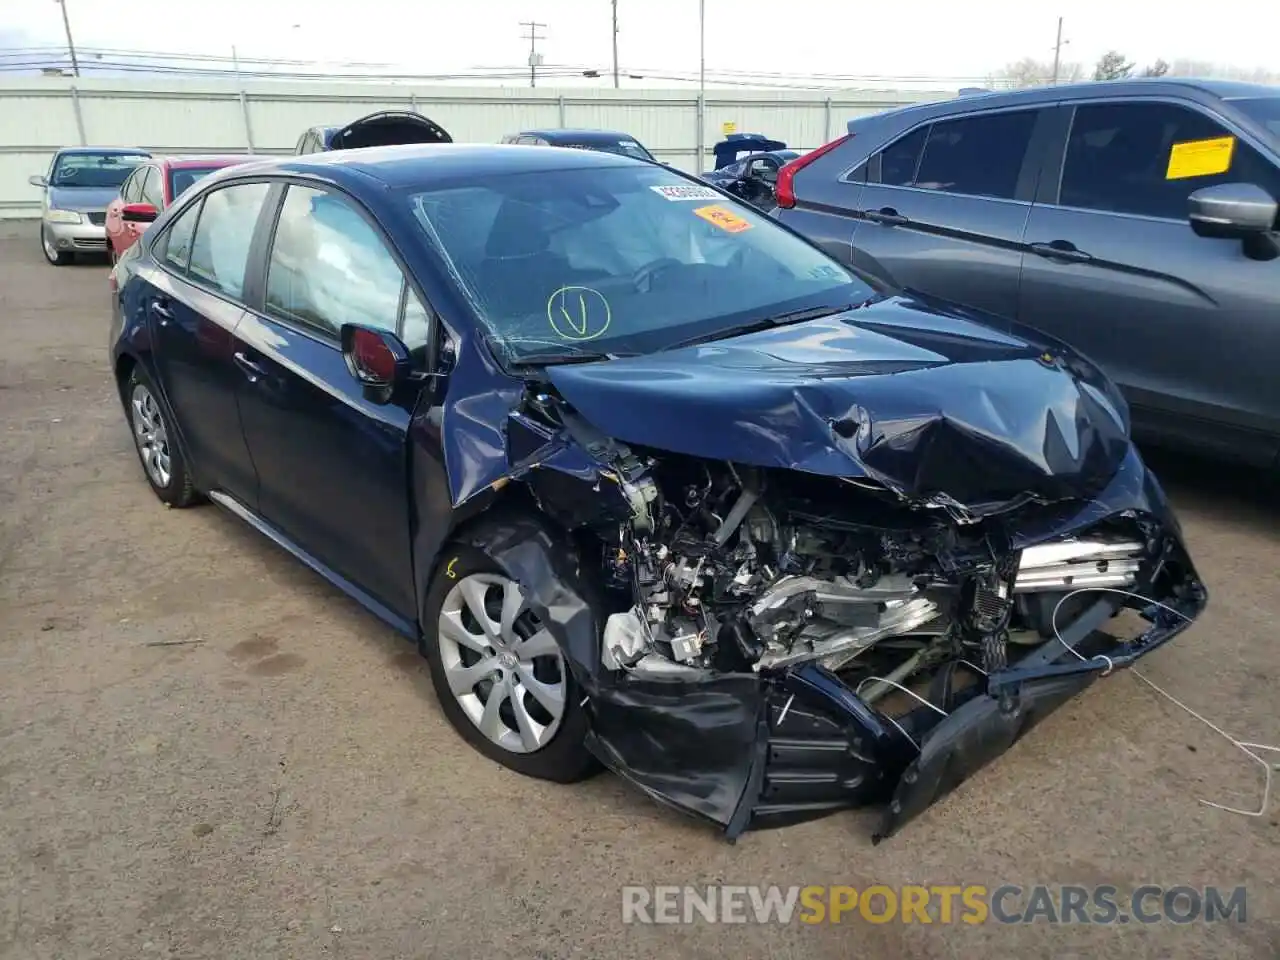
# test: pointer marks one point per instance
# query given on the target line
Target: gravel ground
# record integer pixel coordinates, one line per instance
(282, 783)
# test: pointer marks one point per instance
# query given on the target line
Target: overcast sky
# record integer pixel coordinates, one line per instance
(933, 38)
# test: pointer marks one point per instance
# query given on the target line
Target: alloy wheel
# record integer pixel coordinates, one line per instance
(502, 666)
(151, 436)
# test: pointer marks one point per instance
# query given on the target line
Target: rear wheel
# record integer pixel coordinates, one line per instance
(153, 436)
(501, 678)
(55, 256)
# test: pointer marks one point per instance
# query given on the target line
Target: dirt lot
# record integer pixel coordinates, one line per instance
(285, 786)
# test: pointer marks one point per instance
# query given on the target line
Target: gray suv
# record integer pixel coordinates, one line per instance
(1135, 220)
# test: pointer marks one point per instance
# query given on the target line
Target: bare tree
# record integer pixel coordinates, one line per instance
(1030, 72)
(1112, 65)
(1157, 69)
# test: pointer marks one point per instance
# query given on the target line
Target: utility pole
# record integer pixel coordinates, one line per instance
(71, 44)
(615, 43)
(535, 58)
(702, 81)
(1057, 52)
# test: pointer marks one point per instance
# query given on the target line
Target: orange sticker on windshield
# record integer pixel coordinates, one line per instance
(723, 217)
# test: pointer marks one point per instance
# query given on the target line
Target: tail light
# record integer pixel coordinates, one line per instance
(785, 191)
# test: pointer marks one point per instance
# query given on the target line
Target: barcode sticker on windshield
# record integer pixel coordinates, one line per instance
(723, 218)
(678, 192)
(1200, 158)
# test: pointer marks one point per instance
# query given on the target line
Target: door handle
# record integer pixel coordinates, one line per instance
(1063, 250)
(161, 309)
(252, 371)
(887, 216)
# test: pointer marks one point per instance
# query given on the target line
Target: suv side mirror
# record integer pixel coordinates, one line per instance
(138, 213)
(1232, 211)
(38, 180)
(377, 359)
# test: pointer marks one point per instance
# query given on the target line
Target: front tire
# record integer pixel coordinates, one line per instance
(55, 256)
(155, 441)
(501, 678)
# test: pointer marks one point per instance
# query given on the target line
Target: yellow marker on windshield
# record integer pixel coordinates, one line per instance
(1200, 158)
(578, 313)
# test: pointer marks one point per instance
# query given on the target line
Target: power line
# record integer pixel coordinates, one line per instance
(535, 58)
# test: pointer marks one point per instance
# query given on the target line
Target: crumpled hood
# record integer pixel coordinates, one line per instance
(939, 403)
(82, 198)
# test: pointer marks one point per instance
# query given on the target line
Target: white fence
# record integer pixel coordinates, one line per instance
(39, 115)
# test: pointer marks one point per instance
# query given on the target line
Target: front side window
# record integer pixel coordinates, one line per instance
(101, 170)
(1147, 158)
(220, 251)
(132, 188)
(329, 266)
(619, 259)
(153, 189)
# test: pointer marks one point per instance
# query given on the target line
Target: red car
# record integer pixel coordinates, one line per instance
(151, 187)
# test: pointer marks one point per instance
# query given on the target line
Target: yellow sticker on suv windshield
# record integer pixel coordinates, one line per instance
(723, 217)
(1200, 158)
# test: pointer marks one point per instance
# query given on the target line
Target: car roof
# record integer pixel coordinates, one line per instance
(1148, 86)
(581, 136)
(211, 160)
(425, 164)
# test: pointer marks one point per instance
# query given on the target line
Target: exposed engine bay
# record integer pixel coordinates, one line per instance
(776, 644)
(736, 568)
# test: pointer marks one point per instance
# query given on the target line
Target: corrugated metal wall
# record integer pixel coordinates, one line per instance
(38, 115)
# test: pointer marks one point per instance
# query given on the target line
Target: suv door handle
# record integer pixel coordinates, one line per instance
(887, 216)
(252, 371)
(1060, 250)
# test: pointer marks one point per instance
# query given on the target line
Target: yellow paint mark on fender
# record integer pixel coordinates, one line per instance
(449, 571)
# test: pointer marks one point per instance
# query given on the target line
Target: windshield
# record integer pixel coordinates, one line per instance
(1264, 110)
(94, 169)
(181, 178)
(625, 259)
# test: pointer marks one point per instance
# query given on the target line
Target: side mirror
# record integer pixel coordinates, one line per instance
(377, 359)
(138, 213)
(38, 180)
(1232, 211)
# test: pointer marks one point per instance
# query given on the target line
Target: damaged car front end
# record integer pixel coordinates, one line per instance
(842, 558)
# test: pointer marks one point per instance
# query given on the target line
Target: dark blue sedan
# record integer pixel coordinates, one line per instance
(651, 480)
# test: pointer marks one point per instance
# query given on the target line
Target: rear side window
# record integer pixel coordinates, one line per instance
(328, 266)
(1128, 158)
(220, 252)
(979, 156)
(176, 241)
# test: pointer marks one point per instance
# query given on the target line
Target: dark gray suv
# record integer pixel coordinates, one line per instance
(1136, 220)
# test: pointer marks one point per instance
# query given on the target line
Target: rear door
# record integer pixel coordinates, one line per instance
(194, 304)
(1188, 326)
(946, 204)
(332, 466)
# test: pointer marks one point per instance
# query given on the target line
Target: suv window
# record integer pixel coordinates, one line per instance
(152, 189)
(220, 252)
(979, 156)
(899, 161)
(1118, 156)
(329, 266)
(176, 243)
